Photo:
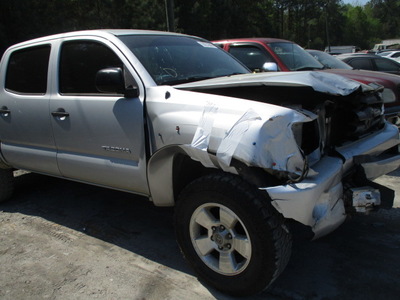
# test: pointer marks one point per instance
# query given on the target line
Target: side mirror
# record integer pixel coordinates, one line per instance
(112, 81)
(270, 67)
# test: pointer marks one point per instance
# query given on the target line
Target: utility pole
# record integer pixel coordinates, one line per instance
(326, 27)
(169, 13)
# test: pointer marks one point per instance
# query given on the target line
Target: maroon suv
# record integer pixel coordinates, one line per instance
(269, 54)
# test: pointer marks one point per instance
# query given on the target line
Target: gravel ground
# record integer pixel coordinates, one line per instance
(65, 240)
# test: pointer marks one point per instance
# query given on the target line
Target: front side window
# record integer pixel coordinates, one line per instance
(253, 57)
(79, 63)
(329, 61)
(27, 70)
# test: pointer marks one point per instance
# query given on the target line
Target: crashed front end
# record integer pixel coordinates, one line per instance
(319, 160)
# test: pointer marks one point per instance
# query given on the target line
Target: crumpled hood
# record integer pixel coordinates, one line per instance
(319, 81)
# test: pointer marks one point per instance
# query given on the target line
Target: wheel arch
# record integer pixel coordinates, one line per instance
(173, 167)
(169, 171)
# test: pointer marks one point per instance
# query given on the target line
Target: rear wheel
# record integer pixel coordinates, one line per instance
(231, 235)
(6, 184)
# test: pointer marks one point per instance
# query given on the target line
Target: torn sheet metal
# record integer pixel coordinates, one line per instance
(375, 169)
(317, 201)
(319, 81)
(373, 145)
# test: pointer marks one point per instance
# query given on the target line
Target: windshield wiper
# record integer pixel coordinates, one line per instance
(232, 74)
(184, 80)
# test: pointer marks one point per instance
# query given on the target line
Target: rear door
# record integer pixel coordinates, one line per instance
(26, 134)
(386, 65)
(99, 137)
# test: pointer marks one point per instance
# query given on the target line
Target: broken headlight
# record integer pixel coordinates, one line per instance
(388, 96)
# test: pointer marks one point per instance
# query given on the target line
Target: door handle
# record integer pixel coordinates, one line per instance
(60, 113)
(4, 111)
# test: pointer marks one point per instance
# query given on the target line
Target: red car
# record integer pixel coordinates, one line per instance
(269, 54)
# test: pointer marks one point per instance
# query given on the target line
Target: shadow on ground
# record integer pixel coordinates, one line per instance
(358, 261)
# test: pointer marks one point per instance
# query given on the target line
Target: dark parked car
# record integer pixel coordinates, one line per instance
(371, 62)
(270, 54)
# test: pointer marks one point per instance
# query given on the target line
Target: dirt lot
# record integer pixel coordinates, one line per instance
(64, 240)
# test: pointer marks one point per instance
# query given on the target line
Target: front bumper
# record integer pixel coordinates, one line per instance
(318, 200)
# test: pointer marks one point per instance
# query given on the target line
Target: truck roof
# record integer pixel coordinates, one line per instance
(97, 32)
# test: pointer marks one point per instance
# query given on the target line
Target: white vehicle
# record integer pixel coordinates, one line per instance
(179, 120)
(386, 45)
(395, 55)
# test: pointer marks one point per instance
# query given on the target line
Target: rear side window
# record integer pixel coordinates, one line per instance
(79, 63)
(27, 70)
(386, 65)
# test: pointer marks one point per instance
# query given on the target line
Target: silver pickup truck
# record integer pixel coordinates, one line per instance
(175, 118)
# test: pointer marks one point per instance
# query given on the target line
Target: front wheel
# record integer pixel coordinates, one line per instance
(231, 235)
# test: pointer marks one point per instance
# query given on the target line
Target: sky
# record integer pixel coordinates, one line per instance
(355, 2)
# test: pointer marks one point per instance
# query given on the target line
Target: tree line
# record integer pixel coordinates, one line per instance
(310, 23)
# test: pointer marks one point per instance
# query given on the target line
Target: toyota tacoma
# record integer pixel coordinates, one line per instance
(180, 121)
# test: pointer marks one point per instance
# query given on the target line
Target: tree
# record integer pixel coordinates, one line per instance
(360, 27)
(311, 23)
(388, 12)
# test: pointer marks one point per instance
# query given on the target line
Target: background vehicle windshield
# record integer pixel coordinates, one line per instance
(179, 59)
(329, 61)
(295, 57)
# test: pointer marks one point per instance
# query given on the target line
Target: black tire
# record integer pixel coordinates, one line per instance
(6, 184)
(239, 228)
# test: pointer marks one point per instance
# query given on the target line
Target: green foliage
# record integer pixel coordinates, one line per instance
(24, 19)
(387, 12)
(310, 23)
(361, 28)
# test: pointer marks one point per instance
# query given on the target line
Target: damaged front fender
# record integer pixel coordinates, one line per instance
(215, 131)
(265, 140)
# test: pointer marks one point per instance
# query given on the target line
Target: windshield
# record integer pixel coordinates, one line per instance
(295, 57)
(329, 61)
(179, 59)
